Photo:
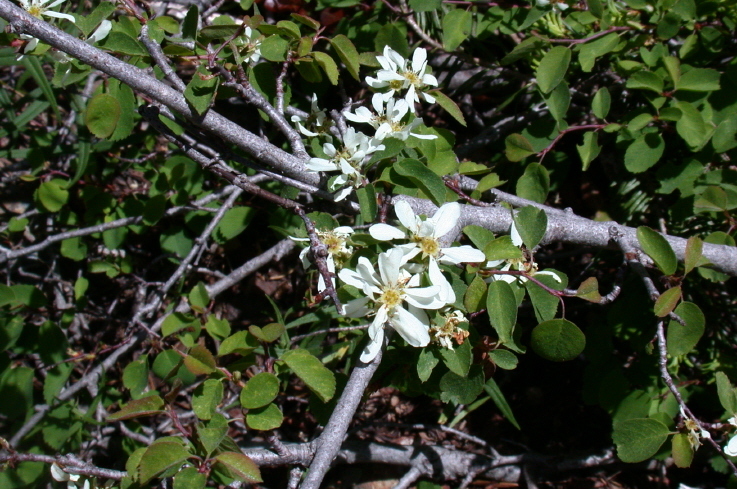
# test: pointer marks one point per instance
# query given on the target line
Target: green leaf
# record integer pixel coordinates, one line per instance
(240, 342)
(449, 105)
(154, 209)
(517, 147)
(218, 31)
(725, 135)
(589, 290)
(557, 340)
(462, 390)
(328, 65)
(473, 300)
(590, 149)
(502, 307)
(367, 202)
(681, 339)
(459, 359)
(480, 237)
(269, 333)
(426, 362)
(198, 297)
(240, 466)
(200, 361)
(504, 359)
(234, 222)
(727, 393)
(274, 48)
(101, 117)
(591, 50)
(492, 388)
(534, 183)
(681, 450)
(135, 376)
(347, 53)
(712, 199)
(552, 68)
(265, 418)
(219, 329)
(457, 26)
(502, 248)
(146, 406)
(425, 179)
(639, 439)
(558, 101)
(259, 391)
(646, 80)
(691, 126)
(122, 43)
(699, 80)
(544, 303)
(74, 249)
(425, 5)
(657, 248)
(667, 301)
(190, 478)
(601, 103)
(52, 195)
(693, 253)
(319, 379)
(201, 90)
(212, 433)
(126, 121)
(531, 224)
(644, 152)
(160, 457)
(206, 398)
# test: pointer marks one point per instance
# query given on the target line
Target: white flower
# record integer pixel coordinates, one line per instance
(349, 160)
(58, 474)
(449, 330)
(386, 293)
(388, 120)
(516, 264)
(424, 236)
(251, 40)
(316, 118)
(335, 242)
(38, 8)
(399, 74)
(731, 448)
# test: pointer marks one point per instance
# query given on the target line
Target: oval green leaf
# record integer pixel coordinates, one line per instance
(657, 247)
(557, 340)
(103, 112)
(639, 439)
(552, 68)
(259, 391)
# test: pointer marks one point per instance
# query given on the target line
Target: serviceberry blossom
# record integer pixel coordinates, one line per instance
(398, 74)
(528, 266)
(424, 237)
(338, 251)
(251, 40)
(39, 9)
(317, 119)
(449, 331)
(386, 293)
(58, 474)
(388, 119)
(348, 160)
(731, 447)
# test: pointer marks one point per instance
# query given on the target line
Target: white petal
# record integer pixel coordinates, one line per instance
(430, 80)
(58, 474)
(446, 294)
(101, 32)
(357, 308)
(462, 254)
(731, 448)
(516, 238)
(385, 232)
(406, 215)
(343, 230)
(552, 274)
(342, 194)
(410, 328)
(372, 348)
(320, 164)
(446, 218)
(389, 264)
(351, 277)
(424, 297)
(59, 15)
(419, 58)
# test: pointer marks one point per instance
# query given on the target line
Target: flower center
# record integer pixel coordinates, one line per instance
(391, 296)
(333, 242)
(36, 11)
(429, 246)
(396, 84)
(412, 77)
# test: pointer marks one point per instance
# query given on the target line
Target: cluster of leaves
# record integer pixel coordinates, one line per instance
(634, 99)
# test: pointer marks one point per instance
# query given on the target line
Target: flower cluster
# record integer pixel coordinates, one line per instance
(400, 84)
(406, 281)
(58, 474)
